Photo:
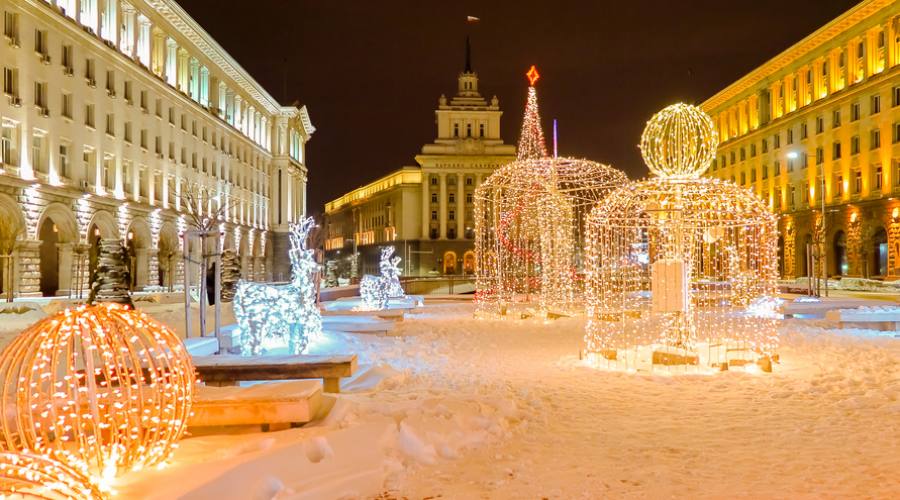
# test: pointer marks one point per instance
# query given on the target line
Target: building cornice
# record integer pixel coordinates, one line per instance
(817, 39)
(399, 177)
(193, 32)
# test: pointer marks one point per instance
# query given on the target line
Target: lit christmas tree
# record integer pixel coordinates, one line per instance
(531, 140)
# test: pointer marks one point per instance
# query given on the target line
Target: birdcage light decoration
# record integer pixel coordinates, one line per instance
(681, 270)
(24, 475)
(529, 227)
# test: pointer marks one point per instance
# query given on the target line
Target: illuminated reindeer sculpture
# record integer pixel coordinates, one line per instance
(265, 312)
(376, 290)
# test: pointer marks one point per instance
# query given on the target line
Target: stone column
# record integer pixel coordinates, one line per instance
(29, 268)
(141, 267)
(153, 276)
(460, 207)
(442, 200)
(65, 261)
(426, 206)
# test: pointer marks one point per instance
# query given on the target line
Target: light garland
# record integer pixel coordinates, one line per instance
(376, 291)
(34, 476)
(268, 313)
(101, 388)
(529, 226)
(675, 261)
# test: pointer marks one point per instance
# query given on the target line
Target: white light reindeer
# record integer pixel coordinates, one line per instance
(376, 290)
(267, 312)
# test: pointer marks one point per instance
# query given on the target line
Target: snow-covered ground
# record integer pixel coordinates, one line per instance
(452, 407)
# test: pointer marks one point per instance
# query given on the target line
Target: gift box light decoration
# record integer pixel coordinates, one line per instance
(529, 226)
(675, 261)
(376, 291)
(269, 314)
(101, 388)
(24, 475)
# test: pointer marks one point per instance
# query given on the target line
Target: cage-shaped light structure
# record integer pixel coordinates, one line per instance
(529, 221)
(101, 388)
(24, 475)
(680, 268)
(529, 226)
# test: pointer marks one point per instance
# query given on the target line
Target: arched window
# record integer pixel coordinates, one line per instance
(449, 262)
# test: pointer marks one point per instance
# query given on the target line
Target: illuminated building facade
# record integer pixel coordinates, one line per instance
(114, 114)
(823, 119)
(425, 211)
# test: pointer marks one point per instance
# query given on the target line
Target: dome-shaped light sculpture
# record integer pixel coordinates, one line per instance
(100, 388)
(33, 476)
(679, 265)
(529, 226)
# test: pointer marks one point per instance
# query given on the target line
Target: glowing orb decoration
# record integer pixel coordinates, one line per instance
(267, 313)
(101, 388)
(34, 476)
(529, 227)
(677, 265)
(376, 291)
(679, 141)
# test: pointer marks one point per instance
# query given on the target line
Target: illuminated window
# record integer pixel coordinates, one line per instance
(875, 139)
(879, 177)
(836, 150)
(839, 185)
(820, 124)
(857, 183)
(804, 133)
(854, 145)
(875, 106)
(854, 112)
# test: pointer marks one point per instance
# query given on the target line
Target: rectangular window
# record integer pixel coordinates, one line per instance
(836, 150)
(836, 118)
(434, 198)
(875, 105)
(111, 83)
(854, 112)
(804, 133)
(790, 136)
(776, 141)
(40, 95)
(820, 155)
(820, 124)
(89, 115)
(777, 168)
(183, 122)
(765, 146)
(68, 60)
(171, 116)
(875, 139)
(469, 198)
(127, 132)
(89, 73)
(854, 145)
(11, 82)
(732, 157)
(839, 185)
(434, 215)
(11, 27)
(159, 108)
(793, 197)
(857, 182)
(144, 136)
(40, 43)
(110, 124)
(743, 154)
(452, 197)
(879, 177)
(451, 215)
(765, 172)
(144, 101)
(896, 133)
(895, 100)
(157, 145)
(66, 105)
(753, 150)
(752, 175)
(804, 160)
(128, 93)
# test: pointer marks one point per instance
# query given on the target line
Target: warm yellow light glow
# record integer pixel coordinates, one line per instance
(674, 263)
(33, 476)
(853, 217)
(101, 388)
(895, 213)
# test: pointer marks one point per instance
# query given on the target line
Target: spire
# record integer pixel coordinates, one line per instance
(468, 68)
(531, 140)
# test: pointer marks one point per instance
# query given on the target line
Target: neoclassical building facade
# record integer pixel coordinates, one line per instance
(822, 119)
(425, 210)
(115, 116)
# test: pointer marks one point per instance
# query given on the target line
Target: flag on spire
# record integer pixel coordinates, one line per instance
(531, 141)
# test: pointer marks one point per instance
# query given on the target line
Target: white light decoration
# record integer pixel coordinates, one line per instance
(282, 312)
(25, 475)
(376, 291)
(100, 388)
(677, 264)
(529, 227)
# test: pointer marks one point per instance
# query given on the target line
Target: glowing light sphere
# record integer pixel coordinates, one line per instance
(34, 476)
(268, 314)
(679, 141)
(101, 388)
(678, 267)
(529, 227)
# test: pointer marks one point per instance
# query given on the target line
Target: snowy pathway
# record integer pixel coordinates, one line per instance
(453, 407)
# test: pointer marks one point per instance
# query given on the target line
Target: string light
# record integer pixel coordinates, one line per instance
(267, 313)
(377, 290)
(34, 476)
(100, 388)
(529, 226)
(676, 262)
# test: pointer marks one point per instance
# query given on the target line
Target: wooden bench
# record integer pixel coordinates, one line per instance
(866, 318)
(273, 406)
(227, 370)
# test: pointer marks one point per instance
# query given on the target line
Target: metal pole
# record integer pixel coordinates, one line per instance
(218, 292)
(187, 286)
(824, 241)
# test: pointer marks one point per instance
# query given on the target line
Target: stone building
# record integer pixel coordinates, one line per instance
(822, 119)
(425, 210)
(114, 115)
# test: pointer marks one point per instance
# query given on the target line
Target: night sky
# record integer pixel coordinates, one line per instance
(370, 72)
